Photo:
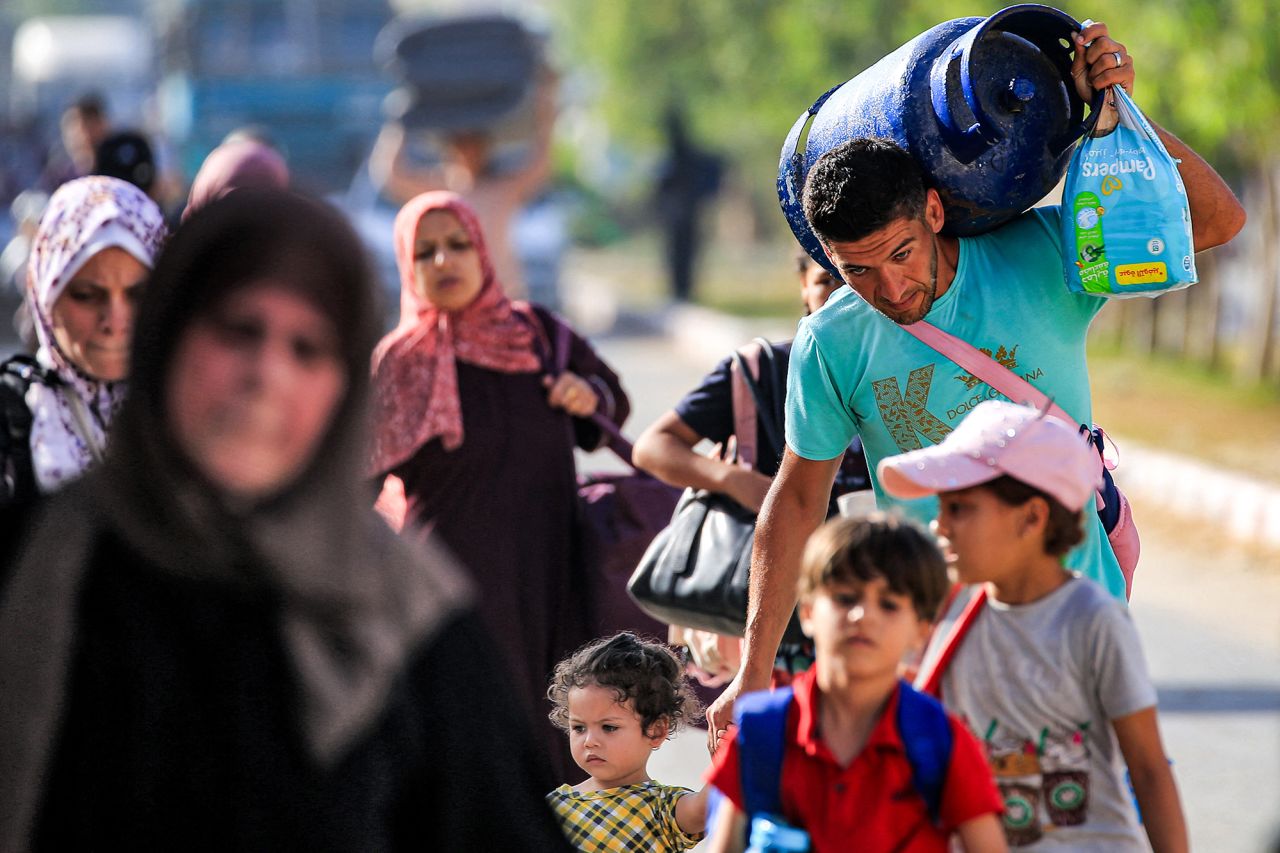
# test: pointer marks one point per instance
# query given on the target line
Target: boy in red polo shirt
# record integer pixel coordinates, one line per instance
(868, 590)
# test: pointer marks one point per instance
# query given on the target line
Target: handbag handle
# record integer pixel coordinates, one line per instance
(771, 416)
(616, 441)
(746, 447)
(777, 391)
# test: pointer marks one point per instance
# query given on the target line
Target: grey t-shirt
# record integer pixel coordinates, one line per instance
(1039, 684)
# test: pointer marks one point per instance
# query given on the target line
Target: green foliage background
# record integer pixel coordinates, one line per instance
(745, 69)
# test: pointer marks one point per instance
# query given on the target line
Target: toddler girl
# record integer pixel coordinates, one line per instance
(619, 699)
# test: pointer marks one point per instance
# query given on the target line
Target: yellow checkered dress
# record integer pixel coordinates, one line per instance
(631, 817)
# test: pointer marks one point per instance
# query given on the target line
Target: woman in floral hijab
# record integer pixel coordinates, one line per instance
(89, 261)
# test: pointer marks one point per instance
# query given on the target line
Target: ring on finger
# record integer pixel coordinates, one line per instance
(1119, 58)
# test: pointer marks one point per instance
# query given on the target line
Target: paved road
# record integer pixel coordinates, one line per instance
(1208, 615)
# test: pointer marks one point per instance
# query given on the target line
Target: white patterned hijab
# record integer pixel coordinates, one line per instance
(71, 414)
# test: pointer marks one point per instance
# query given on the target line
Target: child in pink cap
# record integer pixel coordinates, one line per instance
(1043, 665)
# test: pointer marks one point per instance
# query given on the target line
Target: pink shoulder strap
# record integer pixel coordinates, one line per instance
(985, 368)
(744, 405)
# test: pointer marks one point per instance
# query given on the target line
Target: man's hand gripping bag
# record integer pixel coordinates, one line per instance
(1126, 225)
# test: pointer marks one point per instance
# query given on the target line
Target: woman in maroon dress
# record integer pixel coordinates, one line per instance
(469, 420)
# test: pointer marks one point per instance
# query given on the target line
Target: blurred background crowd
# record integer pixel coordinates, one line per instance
(648, 131)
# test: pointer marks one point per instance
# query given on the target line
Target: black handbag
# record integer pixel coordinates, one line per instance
(695, 572)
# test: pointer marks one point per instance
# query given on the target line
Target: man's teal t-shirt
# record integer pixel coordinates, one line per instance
(853, 370)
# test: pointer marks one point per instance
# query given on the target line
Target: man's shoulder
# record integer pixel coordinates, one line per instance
(1030, 231)
(1027, 249)
(845, 313)
(1036, 223)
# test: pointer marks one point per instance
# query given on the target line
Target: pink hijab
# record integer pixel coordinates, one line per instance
(415, 375)
(241, 163)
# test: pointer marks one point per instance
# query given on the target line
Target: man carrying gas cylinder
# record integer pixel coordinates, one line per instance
(856, 370)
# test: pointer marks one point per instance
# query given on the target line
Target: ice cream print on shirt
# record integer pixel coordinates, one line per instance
(906, 414)
(1044, 780)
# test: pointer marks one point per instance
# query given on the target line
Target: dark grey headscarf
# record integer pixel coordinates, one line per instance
(357, 599)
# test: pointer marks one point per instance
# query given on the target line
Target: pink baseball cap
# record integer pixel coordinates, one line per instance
(995, 439)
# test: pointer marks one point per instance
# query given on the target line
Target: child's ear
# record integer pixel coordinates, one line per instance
(924, 628)
(1035, 516)
(804, 609)
(658, 732)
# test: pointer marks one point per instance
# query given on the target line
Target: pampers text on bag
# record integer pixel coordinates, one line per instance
(1126, 224)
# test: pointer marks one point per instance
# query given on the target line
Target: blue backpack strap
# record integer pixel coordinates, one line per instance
(761, 738)
(926, 736)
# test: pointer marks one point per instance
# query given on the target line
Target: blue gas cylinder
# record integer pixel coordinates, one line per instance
(986, 106)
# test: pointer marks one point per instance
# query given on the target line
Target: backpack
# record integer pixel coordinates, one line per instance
(762, 721)
(16, 375)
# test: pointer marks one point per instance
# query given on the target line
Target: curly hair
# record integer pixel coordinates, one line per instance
(643, 672)
(861, 186)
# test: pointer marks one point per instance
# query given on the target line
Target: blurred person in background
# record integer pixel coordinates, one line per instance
(84, 124)
(468, 168)
(666, 448)
(87, 268)
(127, 155)
(27, 208)
(689, 178)
(241, 160)
(480, 436)
(211, 642)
